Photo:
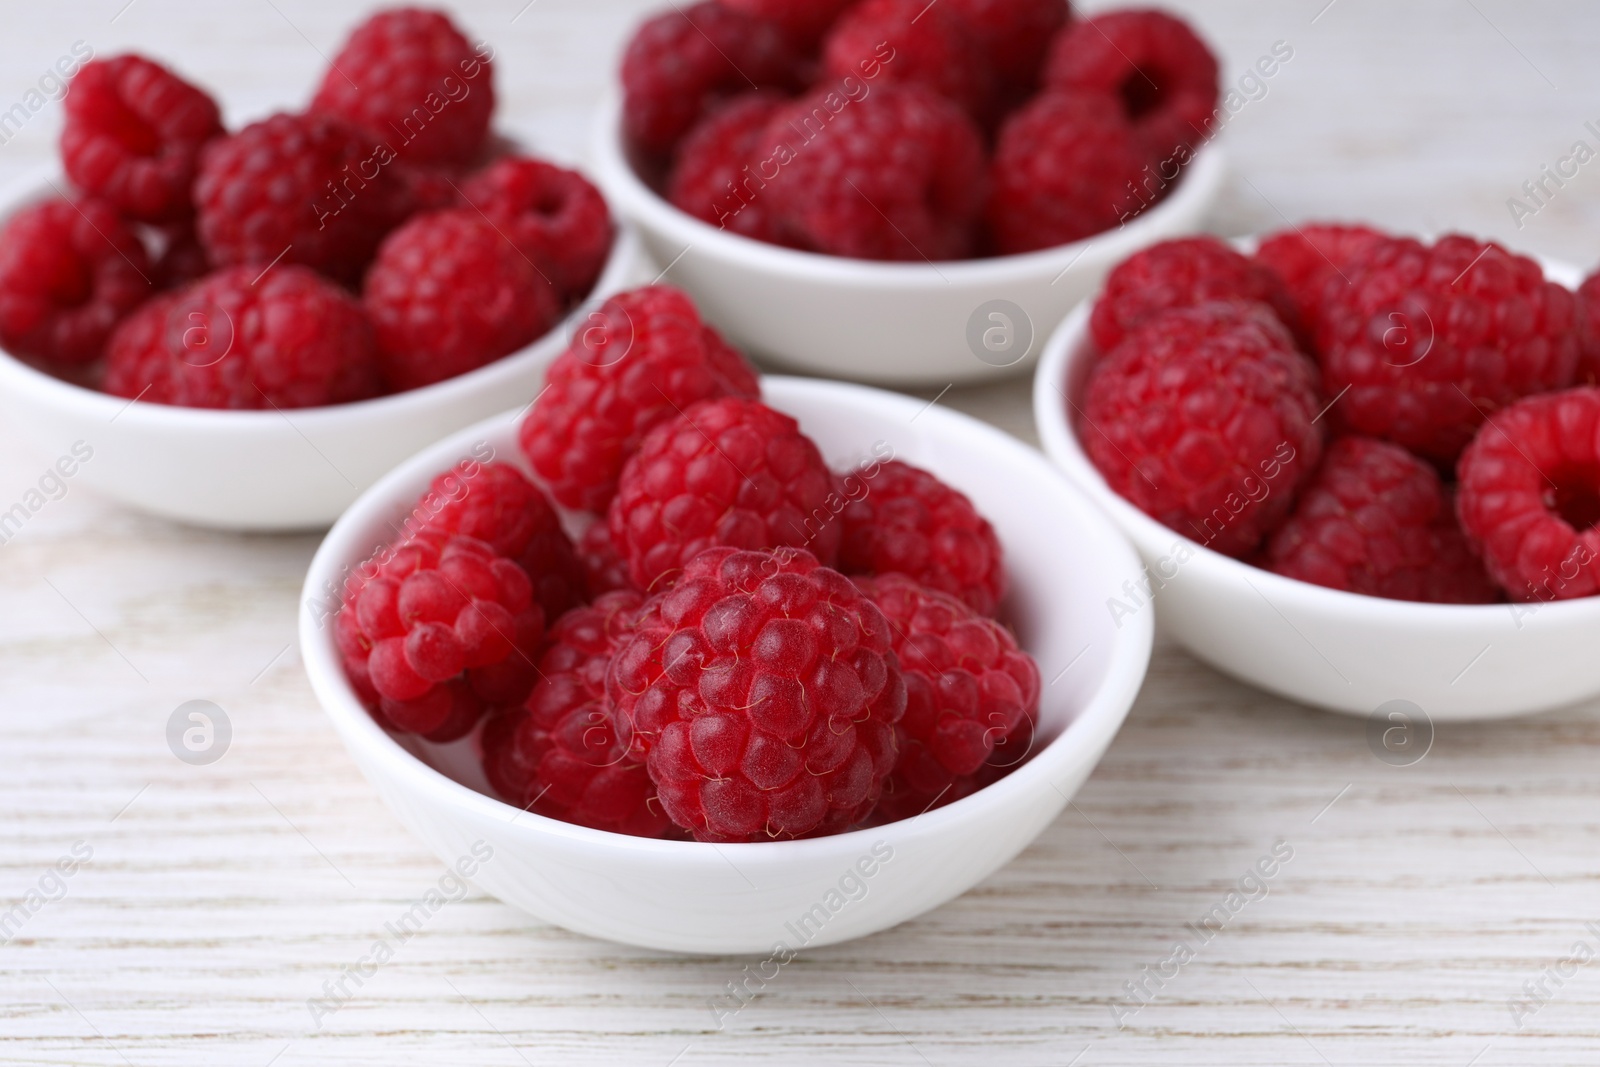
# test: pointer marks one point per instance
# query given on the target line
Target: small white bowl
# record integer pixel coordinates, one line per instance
(891, 323)
(263, 470)
(1065, 559)
(1336, 650)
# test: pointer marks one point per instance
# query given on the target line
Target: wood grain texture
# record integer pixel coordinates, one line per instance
(218, 899)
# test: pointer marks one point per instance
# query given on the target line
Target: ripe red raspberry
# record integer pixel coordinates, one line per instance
(439, 630)
(1203, 419)
(906, 521)
(642, 358)
(969, 689)
(1163, 75)
(496, 504)
(1430, 340)
(717, 175)
(178, 258)
(1013, 37)
(1180, 273)
(680, 63)
(1375, 519)
(909, 42)
(1306, 258)
(1066, 167)
(290, 340)
(803, 22)
(765, 693)
(1529, 495)
(729, 472)
(1589, 330)
(554, 216)
(69, 272)
(449, 293)
(564, 753)
(605, 569)
(897, 175)
(132, 135)
(409, 77)
(308, 189)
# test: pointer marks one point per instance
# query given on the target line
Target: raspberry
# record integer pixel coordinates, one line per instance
(727, 472)
(1065, 168)
(1013, 37)
(1589, 330)
(897, 175)
(564, 753)
(906, 521)
(1529, 495)
(909, 42)
(439, 630)
(1430, 340)
(497, 505)
(1163, 75)
(448, 293)
(712, 178)
(1306, 258)
(1177, 274)
(181, 259)
(604, 568)
(1203, 418)
(764, 692)
(802, 21)
(969, 688)
(679, 64)
(133, 133)
(554, 216)
(310, 189)
(643, 357)
(291, 339)
(1375, 519)
(68, 273)
(409, 77)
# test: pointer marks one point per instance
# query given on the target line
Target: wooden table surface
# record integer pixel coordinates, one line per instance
(207, 904)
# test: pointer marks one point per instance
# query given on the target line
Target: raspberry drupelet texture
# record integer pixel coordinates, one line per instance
(969, 690)
(1529, 495)
(803, 22)
(642, 357)
(906, 521)
(764, 691)
(727, 472)
(717, 173)
(554, 216)
(605, 570)
(1204, 419)
(1150, 62)
(681, 63)
(1176, 274)
(1430, 339)
(565, 752)
(409, 77)
(132, 136)
(295, 189)
(291, 339)
(438, 631)
(496, 504)
(1013, 37)
(1375, 519)
(908, 42)
(69, 272)
(897, 175)
(1306, 258)
(1066, 166)
(448, 293)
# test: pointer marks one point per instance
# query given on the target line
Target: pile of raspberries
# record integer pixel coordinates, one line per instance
(1363, 411)
(740, 645)
(909, 130)
(378, 241)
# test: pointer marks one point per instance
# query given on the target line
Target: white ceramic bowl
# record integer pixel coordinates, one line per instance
(892, 323)
(263, 470)
(1064, 560)
(1336, 650)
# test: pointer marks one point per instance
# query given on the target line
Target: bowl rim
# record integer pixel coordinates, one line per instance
(1062, 355)
(19, 376)
(1202, 181)
(1093, 726)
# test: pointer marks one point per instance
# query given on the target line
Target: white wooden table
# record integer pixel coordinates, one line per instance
(216, 900)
